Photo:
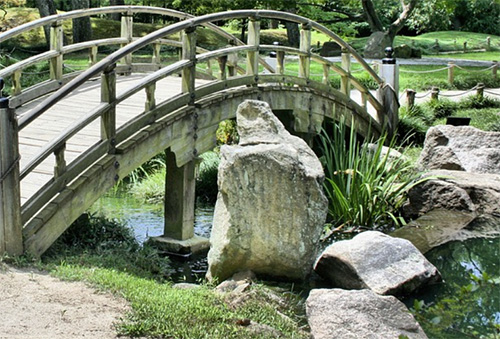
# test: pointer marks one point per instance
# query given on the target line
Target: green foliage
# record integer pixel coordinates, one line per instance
(206, 181)
(441, 108)
(477, 102)
(227, 133)
(478, 16)
(161, 311)
(93, 241)
(364, 186)
(150, 189)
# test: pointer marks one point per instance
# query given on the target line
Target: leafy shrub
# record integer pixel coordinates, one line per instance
(364, 186)
(96, 241)
(411, 130)
(441, 108)
(227, 134)
(477, 102)
(206, 182)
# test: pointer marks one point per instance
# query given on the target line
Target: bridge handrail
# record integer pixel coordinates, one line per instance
(55, 144)
(175, 28)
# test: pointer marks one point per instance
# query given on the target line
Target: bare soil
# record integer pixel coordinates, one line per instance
(35, 305)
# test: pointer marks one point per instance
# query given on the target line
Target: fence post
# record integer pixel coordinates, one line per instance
(488, 43)
(451, 76)
(410, 98)
(480, 90)
(11, 240)
(494, 69)
(56, 44)
(465, 46)
(127, 33)
(435, 93)
(345, 82)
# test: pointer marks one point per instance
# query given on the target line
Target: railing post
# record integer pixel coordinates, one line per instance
(189, 53)
(305, 47)
(451, 77)
(280, 62)
(11, 240)
(93, 55)
(56, 44)
(253, 40)
(108, 95)
(222, 61)
(150, 97)
(480, 90)
(157, 54)
(60, 166)
(326, 74)
(410, 98)
(127, 24)
(345, 82)
(16, 82)
(388, 93)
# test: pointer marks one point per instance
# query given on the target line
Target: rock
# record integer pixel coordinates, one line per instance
(457, 191)
(462, 148)
(185, 286)
(440, 226)
(391, 153)
(330, 49)
(376, 261)
(271, 207)
(376, 44)
(402, 51)
(359, 314)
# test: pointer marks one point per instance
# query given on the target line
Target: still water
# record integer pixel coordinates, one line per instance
(461, 306)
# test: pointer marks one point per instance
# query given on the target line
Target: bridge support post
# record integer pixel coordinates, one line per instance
(127, 24)
(56, 44)
(178, 234)
(11, 240)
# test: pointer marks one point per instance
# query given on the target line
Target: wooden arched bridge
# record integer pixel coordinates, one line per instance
(67, 140)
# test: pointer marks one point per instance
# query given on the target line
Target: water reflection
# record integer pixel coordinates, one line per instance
(146, 220)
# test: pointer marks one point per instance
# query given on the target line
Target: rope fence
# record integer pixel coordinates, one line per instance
(435, 93)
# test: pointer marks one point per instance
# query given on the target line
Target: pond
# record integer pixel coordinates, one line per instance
(466, 304)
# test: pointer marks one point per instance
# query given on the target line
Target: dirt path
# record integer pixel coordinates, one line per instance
(36, 305)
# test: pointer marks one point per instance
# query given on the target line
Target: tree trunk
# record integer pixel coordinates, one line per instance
(116, 16)
(82, 30)
(46, 8)
(292, 33)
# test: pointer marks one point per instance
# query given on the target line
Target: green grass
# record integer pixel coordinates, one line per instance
(159, 310)
(485, 56)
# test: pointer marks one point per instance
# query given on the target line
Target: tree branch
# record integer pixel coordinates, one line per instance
(396, 26)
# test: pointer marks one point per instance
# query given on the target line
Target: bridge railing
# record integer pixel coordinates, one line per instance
(112, 134)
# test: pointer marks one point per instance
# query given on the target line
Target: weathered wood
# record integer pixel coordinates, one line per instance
(480, 90)
(127, 24)
(254, 41)
(93, 55)
(150, 97)
(60, 166)
(222, 61)
(345, 84)
(16, 82)
(305, 47)
(56, 44)
(494, 69)
(410, 98)
(451, 76)
(156, 54)
(280, 62)
(326, 74)
(10, 203)
(69, 205)
(189, 53)
(108, 95)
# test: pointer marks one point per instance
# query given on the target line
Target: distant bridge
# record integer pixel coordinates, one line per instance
(66, 141)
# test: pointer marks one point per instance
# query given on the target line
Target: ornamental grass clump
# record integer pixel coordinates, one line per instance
(365, 186)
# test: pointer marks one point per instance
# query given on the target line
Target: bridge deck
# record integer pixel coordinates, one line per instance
(63, 114)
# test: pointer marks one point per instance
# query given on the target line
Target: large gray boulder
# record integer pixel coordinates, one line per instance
(359, 314)
(457, 191)
(378, 262)
(271, 207)
(462, 148)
